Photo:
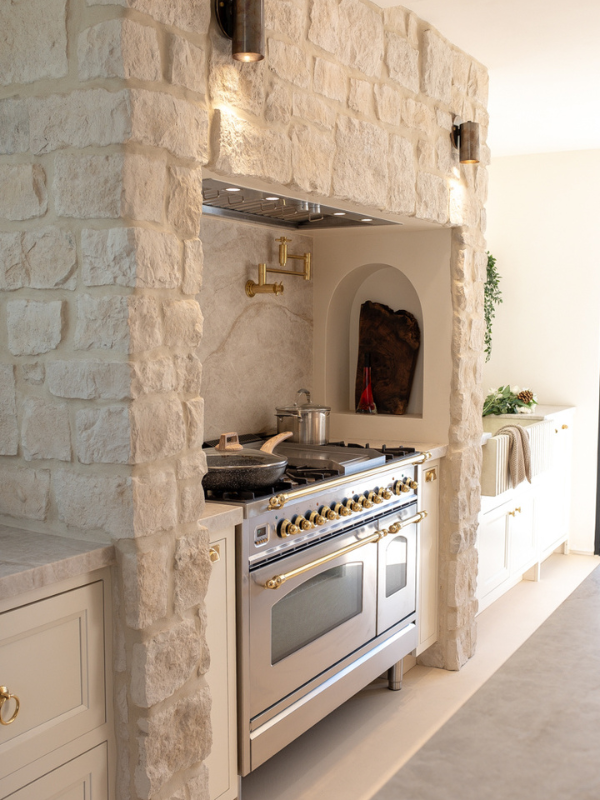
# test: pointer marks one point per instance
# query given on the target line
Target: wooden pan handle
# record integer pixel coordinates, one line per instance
(272, 443)
(228, 442)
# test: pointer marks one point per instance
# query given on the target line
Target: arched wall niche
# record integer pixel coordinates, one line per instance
(404, 270)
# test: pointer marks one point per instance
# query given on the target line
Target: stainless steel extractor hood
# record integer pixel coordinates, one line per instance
(271, 208)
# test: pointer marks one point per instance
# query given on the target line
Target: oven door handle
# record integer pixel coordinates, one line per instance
(279, 580)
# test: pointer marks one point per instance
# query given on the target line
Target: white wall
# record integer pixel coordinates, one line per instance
(543, 228)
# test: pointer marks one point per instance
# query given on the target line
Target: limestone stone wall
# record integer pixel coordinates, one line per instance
(103, 130)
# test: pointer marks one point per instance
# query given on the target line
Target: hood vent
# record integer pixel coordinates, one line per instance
(266, 208)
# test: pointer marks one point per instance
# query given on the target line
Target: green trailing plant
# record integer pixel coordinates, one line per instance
(492, 297)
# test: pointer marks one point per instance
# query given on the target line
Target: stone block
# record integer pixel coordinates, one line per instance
(189, 373)
(23, 193)
(432, 198)
(195, 421)
(145, 577)
(360, 97)
(34, 41)
(187, 65)
(461, 65)
(164, 663)
(198, 786)
(204, 665)
(242, 148)
(418, 115)
(119, 48)
(88, 186)
(402, 61)
(103, 435)
(312, 109)
(182, 323)
(155, 503)
(34, 327)
(324, 25)
(447, 155)
(14, 126)
(191, 503)
(412, 30)
(360, 169)
(193, 17)
(45, 430)
(330, 80)
(193, 262)
(478, 85)
(360, 42)
(312, 158)
(90, 380)
(402, 176)
(289, 62)
(44, 258)
(278, 107)
(436, 78)
(184, 206)
(9, 427)
(33, 374)
(388, 104)
(157, 428)
(161, 120)
(192, 569)
(102, 323)
(173, 739)
(153, 376)
(24, 493)
(158, 259)
(396, 19)
(94, 502)
(425, 154)
(234, 83)
(192, 466)
(92, 117)
(444, 119)
(145, 324)
(286, 17)
(144, 183)
(108, 257)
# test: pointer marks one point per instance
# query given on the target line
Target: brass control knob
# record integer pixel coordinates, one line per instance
(316, 519)
(328, 513)
(287, 528)
(400, 487)
(303, 523)
(385, 494)
(412, 484)
(341, 510)
(375, 498)
(352, 505)
(362, 501)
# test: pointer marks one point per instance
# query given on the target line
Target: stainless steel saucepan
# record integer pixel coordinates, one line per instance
(308, 423)
(234, 468)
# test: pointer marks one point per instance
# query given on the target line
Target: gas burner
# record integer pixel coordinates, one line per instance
(303, 475)
(283, 485)
(390, 453)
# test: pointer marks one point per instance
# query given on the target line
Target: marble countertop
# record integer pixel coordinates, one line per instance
(217, 516)
(30, 560)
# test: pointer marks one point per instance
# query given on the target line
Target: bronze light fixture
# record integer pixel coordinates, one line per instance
(242, 21)
(465, 137)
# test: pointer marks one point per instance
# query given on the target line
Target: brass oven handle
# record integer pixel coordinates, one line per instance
(278, 501)
(4, 696)
(279, 580)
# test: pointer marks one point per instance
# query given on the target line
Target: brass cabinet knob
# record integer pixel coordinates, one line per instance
(5, 696)
(385, 494)
(316, 519)
(430, 476)
(375, 498)
(341, 510)
(362, 501)
(302, 523)
(328, 513)
(287, 528)
(565, 427)
(215, 553)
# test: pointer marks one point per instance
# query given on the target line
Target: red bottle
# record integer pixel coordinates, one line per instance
(366, 404)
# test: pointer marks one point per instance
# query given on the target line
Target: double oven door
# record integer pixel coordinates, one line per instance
(337, 596)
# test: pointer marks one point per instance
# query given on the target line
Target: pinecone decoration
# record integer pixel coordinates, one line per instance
(525, 396)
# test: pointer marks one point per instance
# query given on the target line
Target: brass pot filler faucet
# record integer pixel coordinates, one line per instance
(262, 287)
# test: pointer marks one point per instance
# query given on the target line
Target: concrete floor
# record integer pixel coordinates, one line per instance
(357, 749)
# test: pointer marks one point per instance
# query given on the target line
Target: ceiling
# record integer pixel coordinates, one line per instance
(543, 58)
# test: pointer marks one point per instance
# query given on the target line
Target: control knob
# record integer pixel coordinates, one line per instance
(341, 510)
(375, 498)
(352, 505)
(412, 484)
(328, 513)
(400, 487)
(316, 519)
(385, 494)
(363, 502)
(302, 523)
(287, 528)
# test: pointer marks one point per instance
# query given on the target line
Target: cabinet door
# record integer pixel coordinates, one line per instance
(522, 531)
(83, 778)
(493, 550)
(221, 677)
(427, 592)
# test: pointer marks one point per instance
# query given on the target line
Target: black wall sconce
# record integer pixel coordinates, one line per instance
(242, 21)
(465, 137)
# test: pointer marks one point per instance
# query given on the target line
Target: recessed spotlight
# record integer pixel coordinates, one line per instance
(339, 213)
(233, 189)
(367, 219)
(271, 198)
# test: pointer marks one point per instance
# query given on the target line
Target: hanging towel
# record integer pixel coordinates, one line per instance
(519, 453)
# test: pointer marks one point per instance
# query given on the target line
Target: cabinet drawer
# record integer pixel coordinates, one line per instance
(52, 659)
(84, 777)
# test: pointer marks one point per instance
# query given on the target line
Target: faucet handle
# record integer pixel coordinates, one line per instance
(283, 240)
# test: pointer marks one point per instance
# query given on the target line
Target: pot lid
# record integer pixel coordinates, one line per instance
(297, 409)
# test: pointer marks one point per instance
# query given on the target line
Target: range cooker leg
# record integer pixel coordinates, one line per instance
(394, 676)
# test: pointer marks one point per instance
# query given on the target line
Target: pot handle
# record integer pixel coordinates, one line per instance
(272, 443)
(228, 442)
(306, 392)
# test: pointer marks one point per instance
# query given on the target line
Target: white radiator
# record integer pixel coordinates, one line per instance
(495, 473)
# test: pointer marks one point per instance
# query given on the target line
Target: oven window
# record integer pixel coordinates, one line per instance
(314, 608)
(395, 566)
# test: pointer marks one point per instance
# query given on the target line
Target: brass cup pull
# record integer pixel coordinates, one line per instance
(215, 553)
(5, 695)
(565, 427)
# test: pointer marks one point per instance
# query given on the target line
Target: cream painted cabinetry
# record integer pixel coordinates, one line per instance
(521, 527)
(221, 677)
(427, 587)
(54, 657)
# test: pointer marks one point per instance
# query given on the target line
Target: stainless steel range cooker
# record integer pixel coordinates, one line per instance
(326, 587)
